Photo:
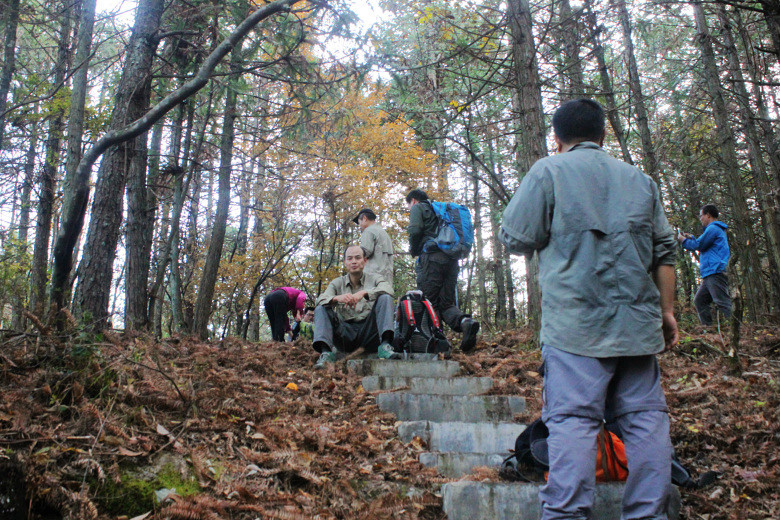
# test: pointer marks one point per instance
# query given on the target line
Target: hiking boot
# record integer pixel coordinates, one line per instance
(386, 351)
(328, 357)
(470, 330)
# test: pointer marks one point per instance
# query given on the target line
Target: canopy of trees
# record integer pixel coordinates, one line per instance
(162, 169)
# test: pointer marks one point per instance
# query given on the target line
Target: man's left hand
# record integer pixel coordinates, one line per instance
(671, 334)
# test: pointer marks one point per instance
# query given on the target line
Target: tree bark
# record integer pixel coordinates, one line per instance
(29, 177)
(9, 60)
(743, 224)
(607, 88)
(124, 162)
(74, 220)
(570, 40)
(767, 200)
(532, 144)
(637, 100)
(203, 304)
(480, 243)
(48, 178)
(772, 16)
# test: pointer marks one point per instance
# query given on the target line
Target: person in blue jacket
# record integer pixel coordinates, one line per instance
(713, 248)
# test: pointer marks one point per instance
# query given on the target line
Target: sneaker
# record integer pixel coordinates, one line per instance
(386, 351)
(327, 357)
(470, 330)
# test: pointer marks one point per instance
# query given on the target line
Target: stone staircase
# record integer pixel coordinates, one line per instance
(464, 429)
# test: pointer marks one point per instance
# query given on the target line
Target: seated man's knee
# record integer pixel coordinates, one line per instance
(385, 298)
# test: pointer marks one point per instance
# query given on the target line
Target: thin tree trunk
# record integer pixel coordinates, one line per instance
(480, 243)
(637, 99)
(767, 200)
(24, 213)
(9, 60)
(153, 179)
(177, 312)
(73, 222)
(743, 225)
(570, 40)
(48, 179)
(498, 263)
(203, 304)
(607, 88)
(532, 144)
(126, 161)
(772, 16)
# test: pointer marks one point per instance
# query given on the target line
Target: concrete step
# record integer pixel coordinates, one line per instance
(430, 385)
(463, 437)
(456, 465)
(466, 500)
(451, 408)
(403, 368)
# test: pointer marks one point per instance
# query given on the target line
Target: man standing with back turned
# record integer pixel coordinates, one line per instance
(606, 270)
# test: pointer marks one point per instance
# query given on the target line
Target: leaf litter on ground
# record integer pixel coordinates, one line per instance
(265, 435)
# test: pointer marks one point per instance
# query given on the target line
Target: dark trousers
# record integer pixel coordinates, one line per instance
(437, 278)
(714, 288)
(276, 307)
(347, 336)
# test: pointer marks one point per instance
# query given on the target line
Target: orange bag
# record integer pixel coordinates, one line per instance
(611, 461)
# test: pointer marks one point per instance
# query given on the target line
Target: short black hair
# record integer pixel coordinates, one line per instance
(365, 251)
(579, 120)
(416, 194)
(367, 212)
(307, 309)
(711, 210)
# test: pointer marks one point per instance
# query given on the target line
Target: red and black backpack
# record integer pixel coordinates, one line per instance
(418, 328)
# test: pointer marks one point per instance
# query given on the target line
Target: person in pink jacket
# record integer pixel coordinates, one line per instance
(277, 303)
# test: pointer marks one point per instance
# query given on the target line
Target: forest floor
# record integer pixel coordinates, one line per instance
(248, 431)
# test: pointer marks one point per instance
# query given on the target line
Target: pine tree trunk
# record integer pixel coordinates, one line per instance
(771, 10)
(480, 243)
(126, 161)
(531, 132)
(607, 89)
(767, 200)
(574, 82)
(498, 264)
(743, 223)
(48, 179)
(637, 100)
(9, 59)
(24, 213)
(203, 304)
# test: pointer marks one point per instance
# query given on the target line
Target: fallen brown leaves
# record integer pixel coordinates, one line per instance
(261, 447)
(721, 422)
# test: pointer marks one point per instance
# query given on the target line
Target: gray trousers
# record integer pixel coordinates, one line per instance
(714, 288)
(578, 391)
(347, 336)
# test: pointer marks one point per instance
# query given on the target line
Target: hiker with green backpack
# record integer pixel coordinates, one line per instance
(606, 272)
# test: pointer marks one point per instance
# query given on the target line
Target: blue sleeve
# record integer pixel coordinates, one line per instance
(704, 242)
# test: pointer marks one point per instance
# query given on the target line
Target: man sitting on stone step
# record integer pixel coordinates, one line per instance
(355, 311)
(606, 270)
